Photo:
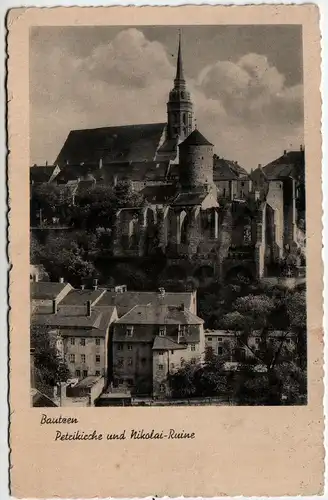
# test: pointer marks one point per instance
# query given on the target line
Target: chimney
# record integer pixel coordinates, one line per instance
(260, 165)
(46, 163)
(95, 284)
(61, 280)
(285, 151)
(54, 306)
(301, 147)
(89, 308)
(82, 286)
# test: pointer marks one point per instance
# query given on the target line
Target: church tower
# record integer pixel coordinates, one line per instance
(179, 106)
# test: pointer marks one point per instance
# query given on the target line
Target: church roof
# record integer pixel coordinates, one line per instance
(196, 139)
(120, 143)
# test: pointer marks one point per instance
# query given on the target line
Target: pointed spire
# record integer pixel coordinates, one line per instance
(179, 75)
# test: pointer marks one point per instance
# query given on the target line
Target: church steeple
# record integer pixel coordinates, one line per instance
(179, 106)
(179, 75)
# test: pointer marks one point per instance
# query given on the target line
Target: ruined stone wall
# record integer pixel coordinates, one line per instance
(275, 198)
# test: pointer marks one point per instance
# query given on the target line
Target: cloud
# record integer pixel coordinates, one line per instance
(243, 107)
(252, 90)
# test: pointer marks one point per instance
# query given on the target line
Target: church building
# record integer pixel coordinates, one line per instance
(204, 213)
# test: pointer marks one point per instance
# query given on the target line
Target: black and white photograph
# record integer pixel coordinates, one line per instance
(167, 216)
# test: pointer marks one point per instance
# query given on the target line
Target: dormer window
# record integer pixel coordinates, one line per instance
(162, 331)
(129, 331)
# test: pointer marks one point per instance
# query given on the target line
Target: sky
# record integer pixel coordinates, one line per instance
(246, 84)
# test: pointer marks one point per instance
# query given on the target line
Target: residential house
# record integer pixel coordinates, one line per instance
(150, 341)
(82, 333)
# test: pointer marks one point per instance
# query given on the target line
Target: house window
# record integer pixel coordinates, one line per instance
(72, 358)
(85, 373)
(209, 339)
(83, 358)
(120, 362)
(162, 331)
(82, 341)
(97, 358)
(172, 352)
(160, 367)
(160, 353)
(242, 184)
(220, 350)
(120, 347)
(72, 339)
(162, 388)
(129, 361)
(97, 341)
(129, 347)
(129, 331)
(78, 373)
(220, 339)
(97, 373)
(192, 347)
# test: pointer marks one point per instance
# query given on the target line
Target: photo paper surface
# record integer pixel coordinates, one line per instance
(165, 240)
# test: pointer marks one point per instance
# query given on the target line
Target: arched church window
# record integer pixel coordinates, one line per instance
(184, 231)
(184, 119)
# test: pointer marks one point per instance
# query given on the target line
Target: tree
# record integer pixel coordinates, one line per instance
(69, 257)
(253, 316)
(45, 200)
(50, 367)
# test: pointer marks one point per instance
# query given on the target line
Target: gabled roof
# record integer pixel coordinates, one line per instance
(44, 173)
(73, 320)
(81, 297)
(290, 164)
(67, 316)
(127, 300)
(227, 170)
(120, 143)
(46, 290)
(195, 139)
(40, 400)
(157, 314)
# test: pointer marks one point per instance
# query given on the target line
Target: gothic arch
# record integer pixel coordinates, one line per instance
(184, 227)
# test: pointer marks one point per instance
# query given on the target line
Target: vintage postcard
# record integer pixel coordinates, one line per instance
(166, 332)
